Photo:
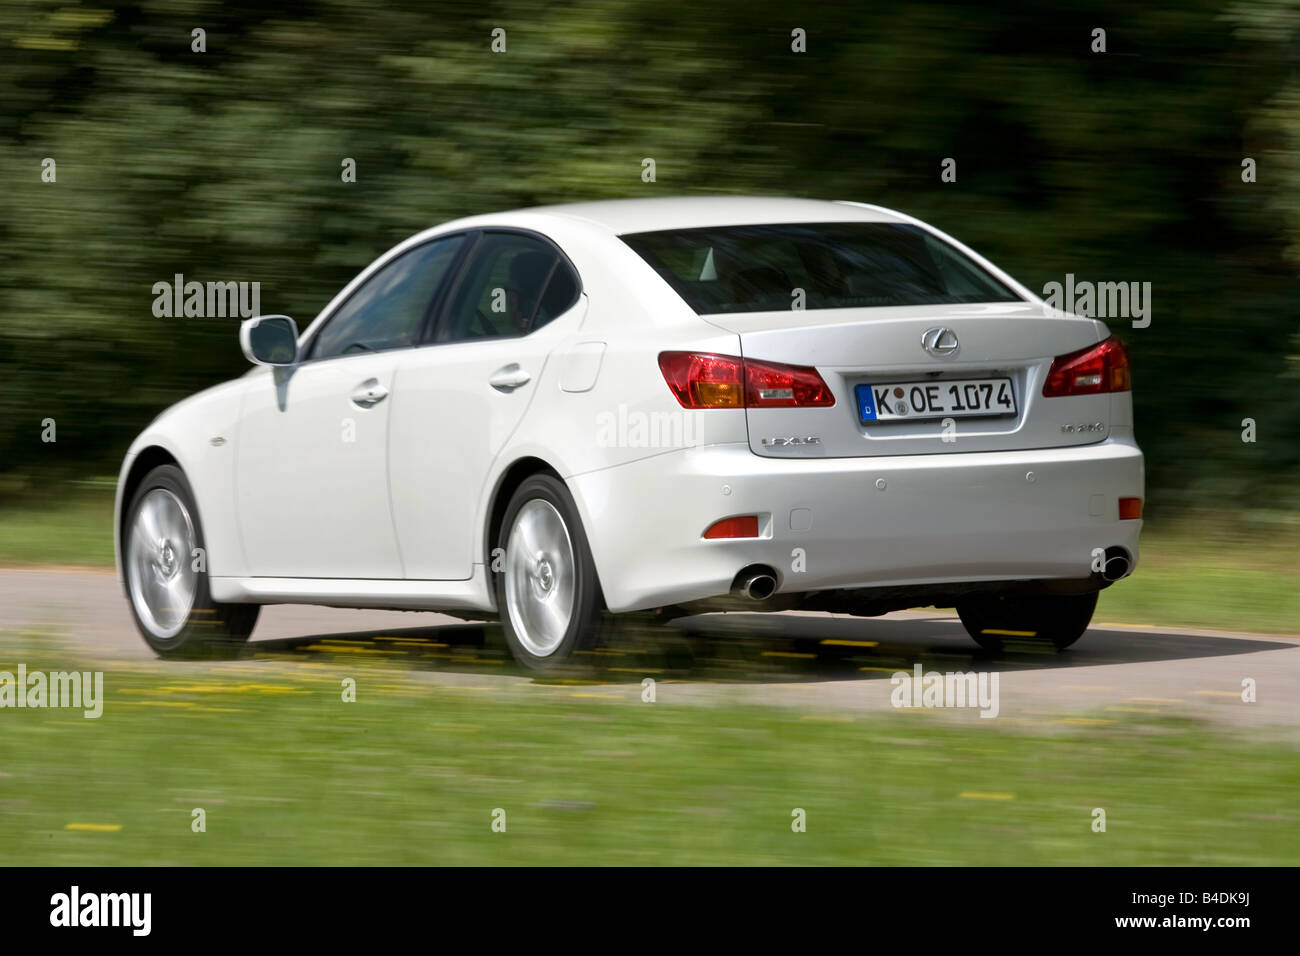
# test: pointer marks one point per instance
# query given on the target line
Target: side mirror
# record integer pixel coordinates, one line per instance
(269, 340)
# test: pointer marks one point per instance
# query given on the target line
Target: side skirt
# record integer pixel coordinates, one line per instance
(470, 595)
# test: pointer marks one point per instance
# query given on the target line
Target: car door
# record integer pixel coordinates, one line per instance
(312, 462)
(517, 296)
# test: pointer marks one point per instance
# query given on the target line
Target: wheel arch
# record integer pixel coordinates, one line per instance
(145, 461)
(511, 478)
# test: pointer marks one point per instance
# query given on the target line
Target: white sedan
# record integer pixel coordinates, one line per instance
(557, 415)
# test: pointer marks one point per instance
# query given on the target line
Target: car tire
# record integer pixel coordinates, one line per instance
(547, 593)
(167, 583)
(997, 622)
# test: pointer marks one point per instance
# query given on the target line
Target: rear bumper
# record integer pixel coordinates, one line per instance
(855, 522)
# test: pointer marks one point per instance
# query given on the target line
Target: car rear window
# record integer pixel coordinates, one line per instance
(839, 265)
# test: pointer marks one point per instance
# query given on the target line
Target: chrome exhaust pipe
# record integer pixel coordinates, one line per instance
(754, 584)
(1116, 564)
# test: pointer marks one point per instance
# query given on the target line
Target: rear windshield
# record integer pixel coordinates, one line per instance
(838, 265)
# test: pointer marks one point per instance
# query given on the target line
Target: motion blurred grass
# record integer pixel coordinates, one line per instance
(71, 528)
(1211, 578)
(411, 773)
(1204, 572)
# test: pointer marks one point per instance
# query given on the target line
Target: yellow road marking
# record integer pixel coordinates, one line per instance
(977, 795)
(345, 649)
(1001, 633)
(843, 643)
(95, 827)
(159, 703)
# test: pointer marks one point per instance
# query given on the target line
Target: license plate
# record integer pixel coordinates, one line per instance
(964, 398)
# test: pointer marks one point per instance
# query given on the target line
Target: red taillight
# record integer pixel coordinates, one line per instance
(701, 380)
(1130, 508)
(704, 380)
(740, 526)
(772, 385)
(1098, 368)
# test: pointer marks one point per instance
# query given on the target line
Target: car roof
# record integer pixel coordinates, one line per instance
(622, 216)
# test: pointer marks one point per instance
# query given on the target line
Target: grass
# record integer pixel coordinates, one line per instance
(412, 772)
(1204, 573)
(1213, 571)
(73, 528)
(1197, 591)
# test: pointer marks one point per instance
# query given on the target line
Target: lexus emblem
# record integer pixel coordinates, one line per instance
(939, 342)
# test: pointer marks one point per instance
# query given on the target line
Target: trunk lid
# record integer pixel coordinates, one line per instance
(997, 345)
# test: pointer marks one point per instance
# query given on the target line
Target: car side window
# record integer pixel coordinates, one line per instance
(512, 285)
(388, 311)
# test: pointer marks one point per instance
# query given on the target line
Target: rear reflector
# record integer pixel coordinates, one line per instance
(1130, 508)
(741, 526)
(1091, 371)
(705, 380)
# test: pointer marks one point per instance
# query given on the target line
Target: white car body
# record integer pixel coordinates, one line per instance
(400, 515)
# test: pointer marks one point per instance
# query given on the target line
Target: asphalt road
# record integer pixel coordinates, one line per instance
(823, 665)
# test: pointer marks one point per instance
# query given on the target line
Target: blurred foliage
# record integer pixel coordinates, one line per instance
(225, 166)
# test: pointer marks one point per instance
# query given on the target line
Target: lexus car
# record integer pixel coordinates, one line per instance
(555, 416)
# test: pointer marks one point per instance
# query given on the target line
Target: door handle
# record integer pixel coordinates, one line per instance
(509, 377)
(369, 393)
